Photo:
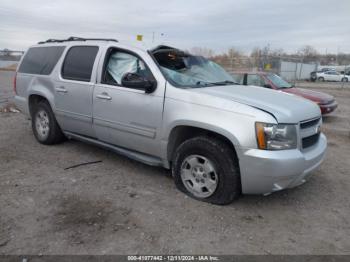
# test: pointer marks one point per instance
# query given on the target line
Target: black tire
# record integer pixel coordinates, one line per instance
(54, 134)
(321, 79)
(344, 79)
(225, 162)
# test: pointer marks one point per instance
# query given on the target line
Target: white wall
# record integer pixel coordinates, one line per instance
(296, 71)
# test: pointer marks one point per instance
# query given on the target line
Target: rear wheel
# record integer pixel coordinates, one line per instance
(45, 127)
(206, 169)
(344, 79)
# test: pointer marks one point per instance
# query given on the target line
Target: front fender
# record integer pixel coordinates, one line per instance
(203, 125)
(239, 129)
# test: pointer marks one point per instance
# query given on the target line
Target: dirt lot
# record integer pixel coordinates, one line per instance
(120, 206)
(6, 87)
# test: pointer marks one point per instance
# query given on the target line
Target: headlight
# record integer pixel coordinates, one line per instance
(276, 137)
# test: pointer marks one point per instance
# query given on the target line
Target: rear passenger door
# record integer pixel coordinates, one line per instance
(329, 76)
(337, 76)
(74, 89)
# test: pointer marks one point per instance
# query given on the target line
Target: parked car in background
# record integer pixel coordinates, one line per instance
(325, 101)
(313, 75)
(332, 76)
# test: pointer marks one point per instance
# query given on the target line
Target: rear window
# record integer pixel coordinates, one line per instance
(40, 60)
(79, 63)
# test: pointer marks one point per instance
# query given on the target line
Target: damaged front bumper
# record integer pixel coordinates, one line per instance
(264, 172)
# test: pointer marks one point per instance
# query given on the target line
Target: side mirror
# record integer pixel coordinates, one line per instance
(133, 80)
(267, 86)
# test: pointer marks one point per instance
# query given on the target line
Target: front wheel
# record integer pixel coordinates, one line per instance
(321, 79)
(207, 169)
(45, 127)
(344, 79)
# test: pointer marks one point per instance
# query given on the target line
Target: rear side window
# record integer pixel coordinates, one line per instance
(41, 60)
(79, 62)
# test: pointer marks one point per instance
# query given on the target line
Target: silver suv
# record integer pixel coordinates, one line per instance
(168, 108)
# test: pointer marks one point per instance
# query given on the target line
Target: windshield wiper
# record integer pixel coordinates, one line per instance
(203, 83)
(222, 83)
(226, 82)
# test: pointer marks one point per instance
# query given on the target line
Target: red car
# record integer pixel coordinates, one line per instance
(326, 102)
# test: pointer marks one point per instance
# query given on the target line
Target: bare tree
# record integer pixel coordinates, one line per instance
(231, 59)
(202, 51)
(343, 59)
(308, 53)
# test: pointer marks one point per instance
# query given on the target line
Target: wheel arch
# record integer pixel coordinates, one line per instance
(36, 96)
(187, 130)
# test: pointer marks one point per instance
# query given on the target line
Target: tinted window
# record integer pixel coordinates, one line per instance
(119, 63)
(255, 80)
(41, 60)
(79, 62)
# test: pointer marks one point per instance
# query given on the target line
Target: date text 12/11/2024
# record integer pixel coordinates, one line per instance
(173, 258)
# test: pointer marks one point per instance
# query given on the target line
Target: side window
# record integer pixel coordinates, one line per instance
(239, 78)
(255, 80)
(41, 60)
(118, 63)
(79, 62)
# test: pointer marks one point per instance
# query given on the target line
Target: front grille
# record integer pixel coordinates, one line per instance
(310, 132)
(310, 141)
(310, 123)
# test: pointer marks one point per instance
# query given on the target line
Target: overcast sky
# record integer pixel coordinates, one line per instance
(216, 24)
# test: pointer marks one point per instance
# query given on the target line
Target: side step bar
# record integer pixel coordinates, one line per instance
(146, 159)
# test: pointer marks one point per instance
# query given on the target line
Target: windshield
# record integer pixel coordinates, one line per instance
(278, 81)
(187, 71)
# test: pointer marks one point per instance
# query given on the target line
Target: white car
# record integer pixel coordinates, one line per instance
(332, 76)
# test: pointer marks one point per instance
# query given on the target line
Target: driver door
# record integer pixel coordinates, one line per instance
(123, 116)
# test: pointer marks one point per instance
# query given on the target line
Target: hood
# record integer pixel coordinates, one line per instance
(286, 108)
(310, 94)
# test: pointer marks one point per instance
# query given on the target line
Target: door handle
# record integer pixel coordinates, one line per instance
(104, 96)
(61, 89)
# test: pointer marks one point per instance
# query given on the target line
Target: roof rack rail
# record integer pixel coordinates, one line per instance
(74, 38)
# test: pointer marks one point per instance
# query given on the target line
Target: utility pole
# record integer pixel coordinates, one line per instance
(336, 60)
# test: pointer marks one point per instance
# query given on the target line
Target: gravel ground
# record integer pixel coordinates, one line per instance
(6, 87)
(120, 206)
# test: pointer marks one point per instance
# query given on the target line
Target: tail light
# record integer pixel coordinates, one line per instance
(15, 83)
